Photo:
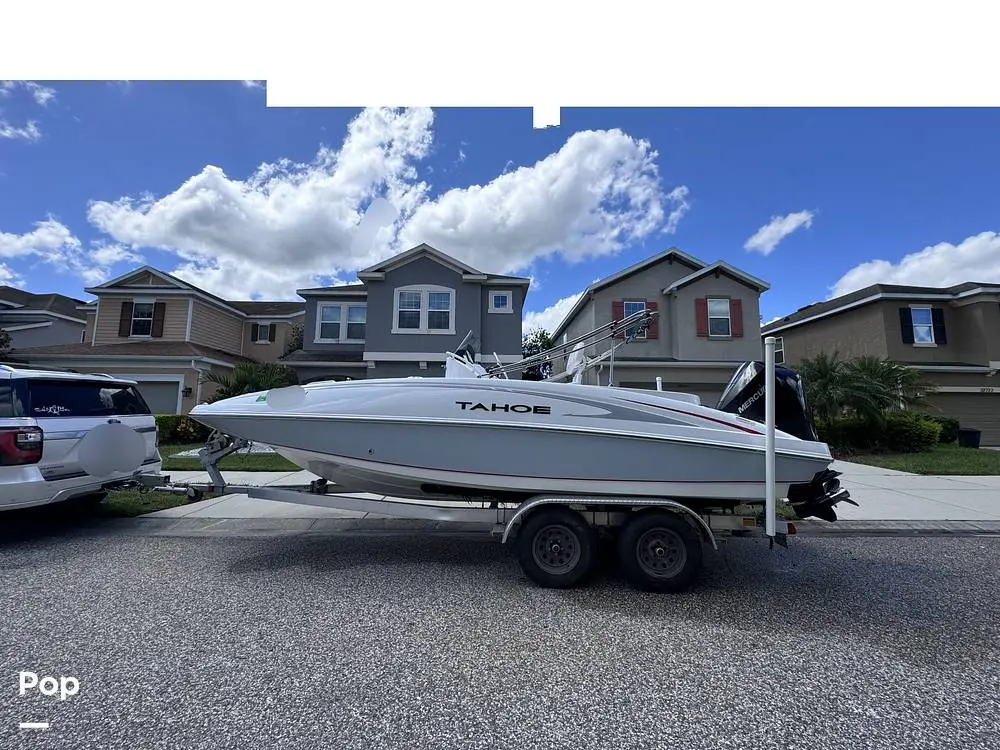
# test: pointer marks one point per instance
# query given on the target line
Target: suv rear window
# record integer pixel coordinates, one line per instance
(81, 398)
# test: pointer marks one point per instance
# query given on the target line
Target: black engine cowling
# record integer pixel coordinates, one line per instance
(744, 396)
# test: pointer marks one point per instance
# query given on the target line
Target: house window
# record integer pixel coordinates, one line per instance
(424, 309)
(500, 302)
(340, 323)
(357, 316)
(779, 350)
(631, 307)
(719, 322)
(263, 334)
(923, 325)
(83, 336)
(142, 319)
(329, 323)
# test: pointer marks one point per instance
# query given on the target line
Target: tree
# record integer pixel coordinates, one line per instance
(250, 377)
(6, 343)
(294, 339)
(865, 387)
(534, 342)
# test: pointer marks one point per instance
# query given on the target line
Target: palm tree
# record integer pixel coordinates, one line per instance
(904, 387)
(250, 377)
(834, 388)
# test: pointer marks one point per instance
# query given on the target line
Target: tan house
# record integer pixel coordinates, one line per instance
(708, 324)
(951, 335)
(166, 333)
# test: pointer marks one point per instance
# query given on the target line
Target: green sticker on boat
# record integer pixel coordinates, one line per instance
(262, 397)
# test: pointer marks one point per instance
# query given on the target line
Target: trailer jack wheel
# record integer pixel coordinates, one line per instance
(659, 551)
(556, 547)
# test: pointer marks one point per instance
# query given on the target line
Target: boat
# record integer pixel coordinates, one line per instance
(478, 434)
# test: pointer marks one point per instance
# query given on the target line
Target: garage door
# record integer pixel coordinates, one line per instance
(979, 411)
(161, 396)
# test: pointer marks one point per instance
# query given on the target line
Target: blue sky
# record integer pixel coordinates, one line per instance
(96, 178)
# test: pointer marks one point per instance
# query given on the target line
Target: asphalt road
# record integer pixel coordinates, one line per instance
(382, 641)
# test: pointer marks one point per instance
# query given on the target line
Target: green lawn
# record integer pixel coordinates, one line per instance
(943, 460)
(133, 502)
(235, 462)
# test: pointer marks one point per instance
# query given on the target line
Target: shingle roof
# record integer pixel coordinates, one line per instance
(818, 308)
(302, 355)
(144, 348)
(57, 303)
(263, 307)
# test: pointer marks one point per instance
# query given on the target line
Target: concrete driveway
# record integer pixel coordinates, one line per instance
(887, 499)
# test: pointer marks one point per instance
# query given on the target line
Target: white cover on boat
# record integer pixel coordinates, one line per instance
(459, 367)
(576, 362)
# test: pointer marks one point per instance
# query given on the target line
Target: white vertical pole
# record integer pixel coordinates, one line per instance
(659, 383)
(769, 499)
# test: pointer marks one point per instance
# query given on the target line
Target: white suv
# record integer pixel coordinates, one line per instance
(63, 436)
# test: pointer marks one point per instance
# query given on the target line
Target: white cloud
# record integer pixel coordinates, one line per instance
(290, 224)
(678, 199)
(10, 277)
(41, 94)
(552, 315)
(253, 84)
(599, 192)
(28, 132)
(976, 258)
(51, 242)
(768, 236)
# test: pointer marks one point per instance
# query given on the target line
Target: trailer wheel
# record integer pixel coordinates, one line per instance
(659, 551)
(556, 547)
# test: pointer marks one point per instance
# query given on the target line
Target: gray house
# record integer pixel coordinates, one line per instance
(40, 319)
(403, 314)
(708, 323)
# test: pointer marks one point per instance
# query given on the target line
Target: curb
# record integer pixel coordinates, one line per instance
(896, 528)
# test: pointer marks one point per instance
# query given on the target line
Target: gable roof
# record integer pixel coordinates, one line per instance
(421, 250)
(720, 266)
(25, 302)
(671, 254)
(874, 293)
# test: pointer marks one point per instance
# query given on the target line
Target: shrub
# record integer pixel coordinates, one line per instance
(909, 432)
(898, 432)
(191, 431)
(166, 426)
(949, 428)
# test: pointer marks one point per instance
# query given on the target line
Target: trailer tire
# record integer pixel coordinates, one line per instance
(659, 551)
(556, 547)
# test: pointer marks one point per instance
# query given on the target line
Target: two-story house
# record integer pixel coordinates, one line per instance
(403, 314)
(166, 333)
(39, 319)
(951, 335)
(708, 323)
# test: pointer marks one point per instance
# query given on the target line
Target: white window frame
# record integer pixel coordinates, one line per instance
(267, 338)
(425, 290)
(341, 325)
(929, 325)
(626, 313)
(136, 303)
(779, 350)
(494, 293)
(728, 317)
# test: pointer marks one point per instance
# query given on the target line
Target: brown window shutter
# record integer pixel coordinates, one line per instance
(618, 313)
(736, 317)
(159, 313)
(701, 316)
(271, 332)
(125, 321)
(653, 331)
(254, 332)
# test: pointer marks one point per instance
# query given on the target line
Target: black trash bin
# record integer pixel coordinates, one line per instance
(969, 438)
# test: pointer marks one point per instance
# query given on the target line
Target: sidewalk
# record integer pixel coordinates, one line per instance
(889, 502)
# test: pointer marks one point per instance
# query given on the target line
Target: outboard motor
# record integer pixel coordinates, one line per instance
(744, 396)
